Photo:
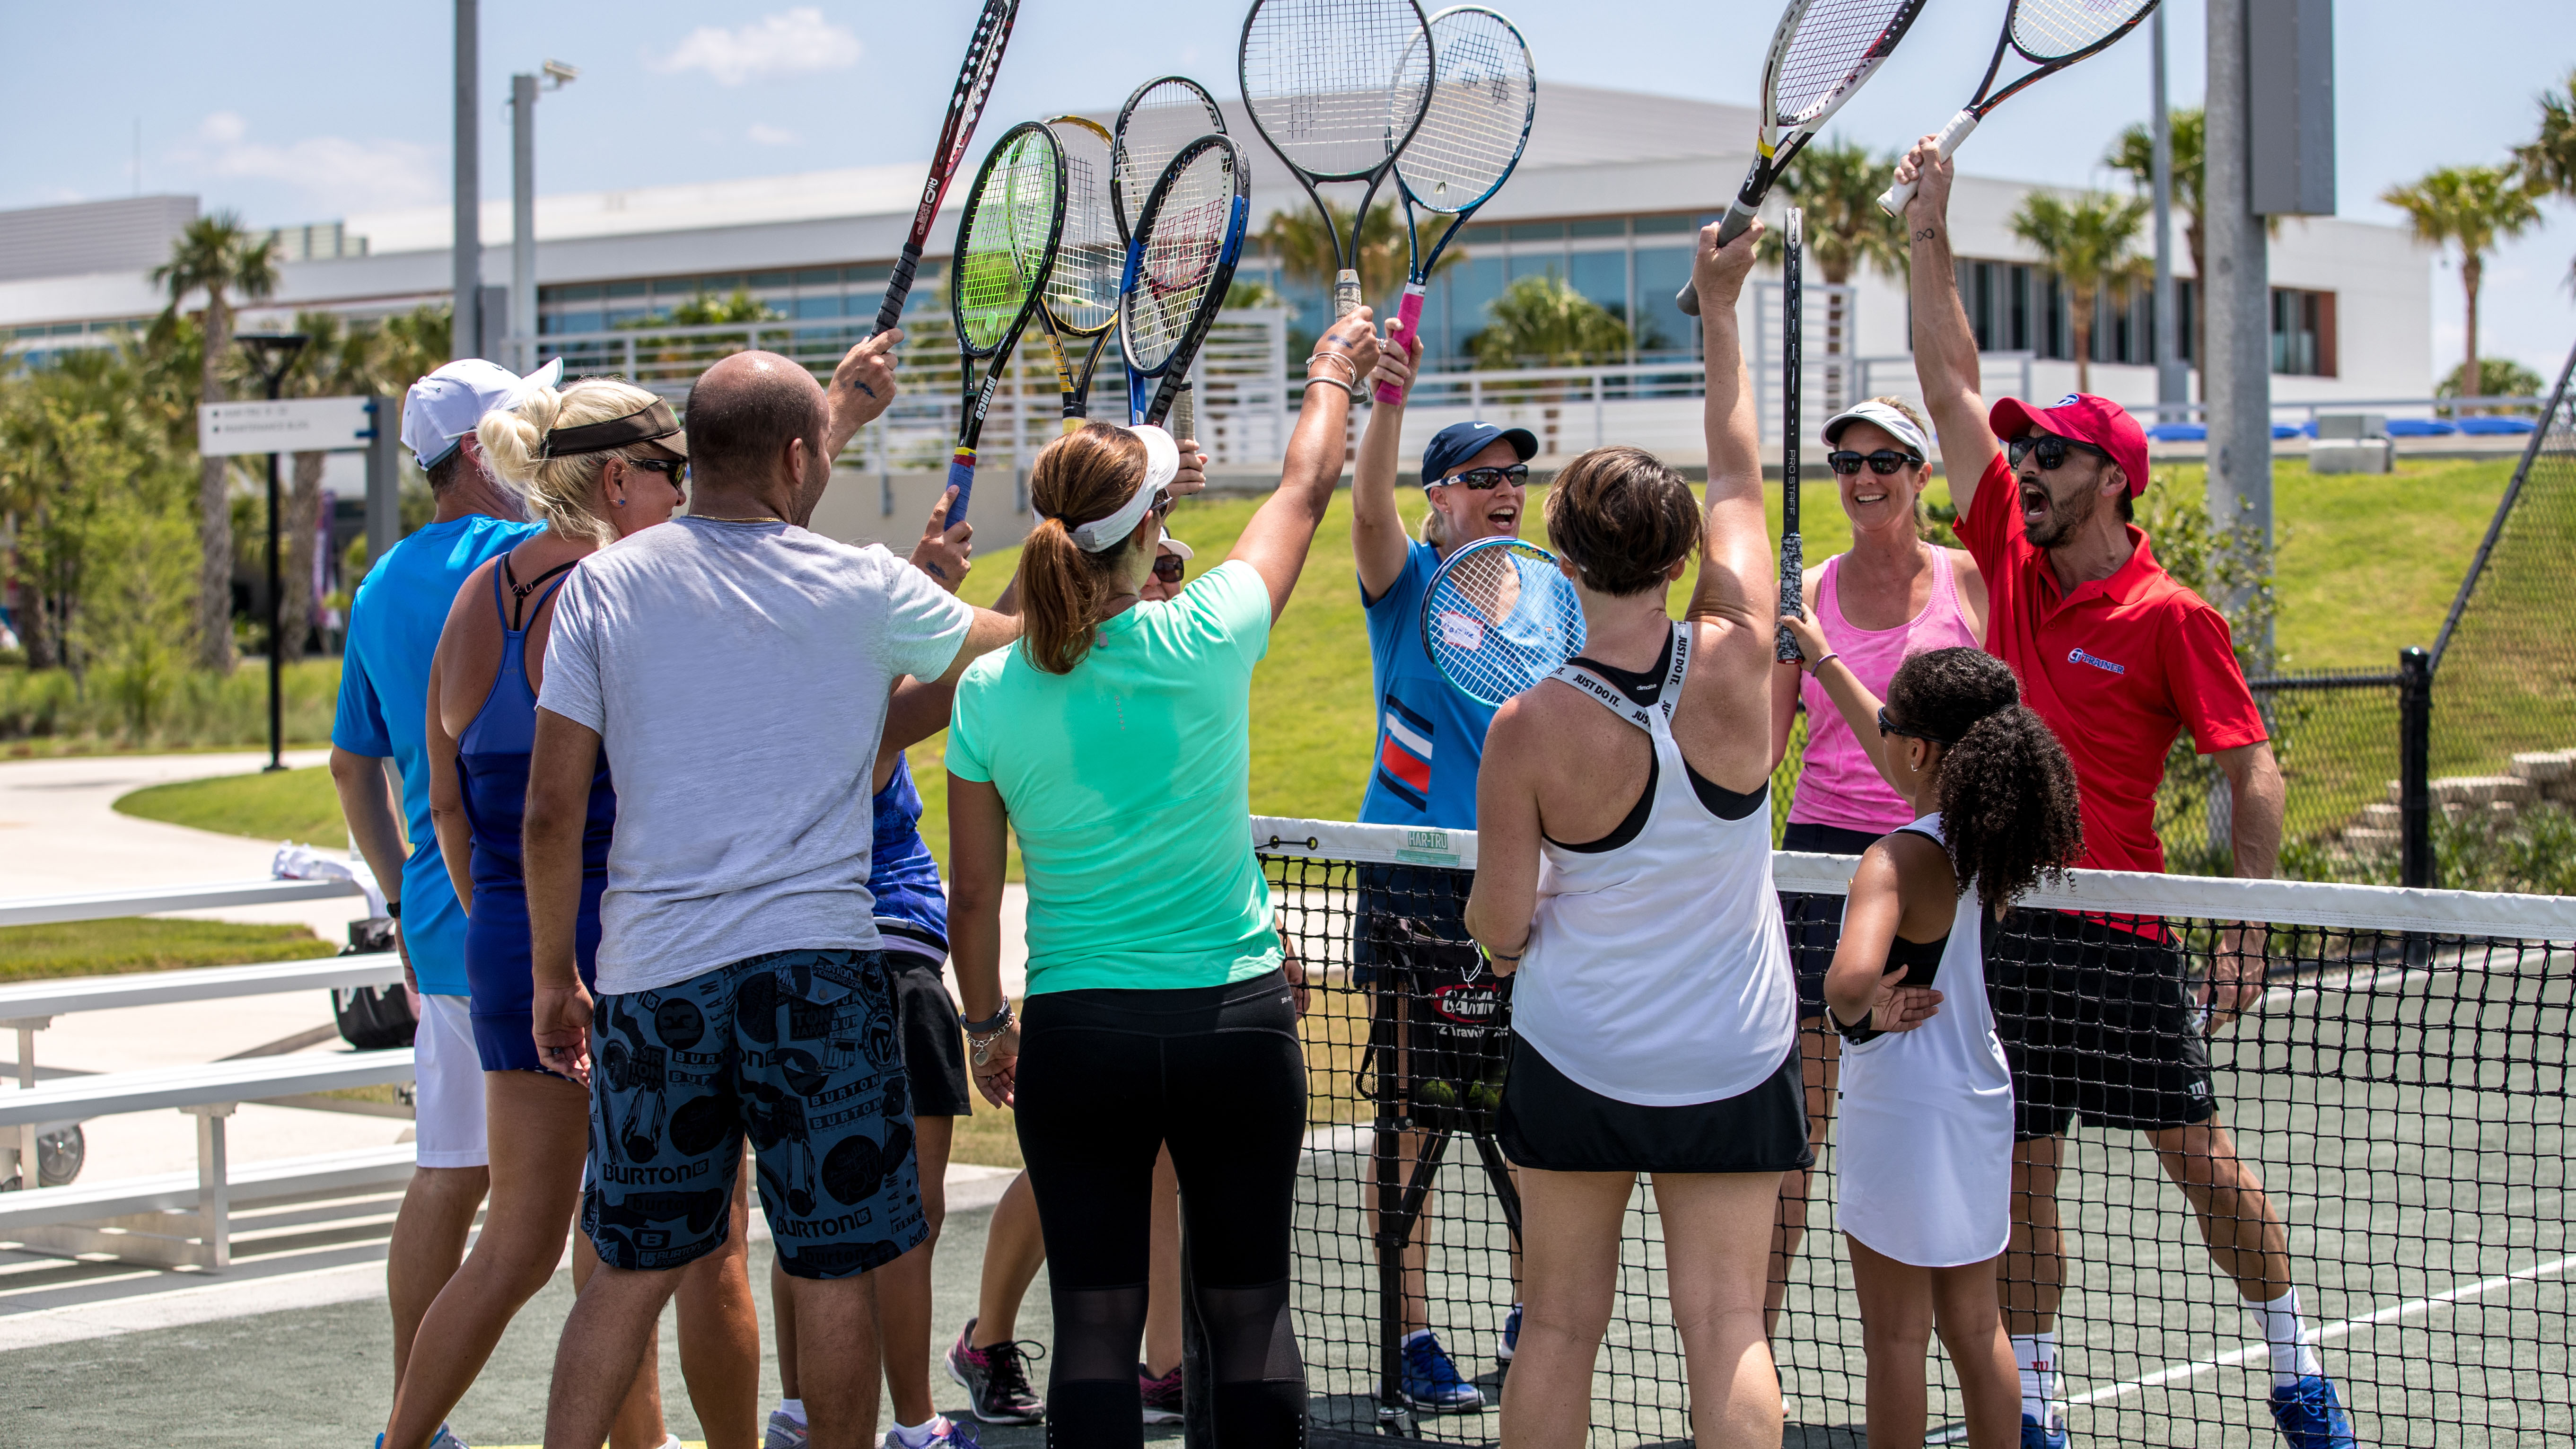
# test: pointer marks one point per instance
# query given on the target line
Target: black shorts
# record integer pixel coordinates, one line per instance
(934, 1047)
(1401, 909)
(1555, 1124)
(1816, 922)
(2097, 1022)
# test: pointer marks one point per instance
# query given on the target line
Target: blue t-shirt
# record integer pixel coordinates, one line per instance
(1430, 737)
(384, 710)
(912, 910)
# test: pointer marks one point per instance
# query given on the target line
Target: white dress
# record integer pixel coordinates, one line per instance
(1925, 1141)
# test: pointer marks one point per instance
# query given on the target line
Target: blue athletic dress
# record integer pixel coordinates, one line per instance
(912, 920)
(492, 762)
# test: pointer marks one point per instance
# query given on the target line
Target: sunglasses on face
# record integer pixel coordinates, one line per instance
(1167, 567)
(1888, 726)
(1481, 479)
(2051, 450)
(1882, 462)
(675, 469)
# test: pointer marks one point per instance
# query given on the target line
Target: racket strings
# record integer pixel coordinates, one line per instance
(1835, 42)
(1183, 242)
(1501, 619)
(1168, 116)
(1082, 291)
(1336, 85)
(1004, 254)
(2047, 30)
(1479, 113)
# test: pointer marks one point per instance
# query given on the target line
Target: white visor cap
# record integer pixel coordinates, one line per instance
(1162, 465)
(1879, 415)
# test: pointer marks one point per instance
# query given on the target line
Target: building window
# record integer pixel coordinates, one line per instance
(2303, 332)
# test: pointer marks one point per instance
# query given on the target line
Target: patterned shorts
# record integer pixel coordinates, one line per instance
(800, 1050)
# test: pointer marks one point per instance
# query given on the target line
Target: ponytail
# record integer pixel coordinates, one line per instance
(1085, 475)
(2008, 801)
(562, 492)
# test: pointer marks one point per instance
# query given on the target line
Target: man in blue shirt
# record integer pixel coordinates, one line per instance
(1439, 1010)
(384, 700)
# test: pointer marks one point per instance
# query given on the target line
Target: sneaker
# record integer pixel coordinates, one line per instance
(2311, 1416)
(945, 1433)
(1511, 1336)
(1162, 1396)
(996, 1379)
(784, 1433)
(2036, 1435)
(445, 1438)
(1431, 1381)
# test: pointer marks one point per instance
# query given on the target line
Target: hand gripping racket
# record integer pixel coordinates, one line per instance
(1337, 87)
(1472, 135)
(1188, 237)
(965, 108)
(2050, 34)
(1793, 306)
(1821, 55)
(1006, 245)
(1499, 617)
(1080, 302)
(1157, 121)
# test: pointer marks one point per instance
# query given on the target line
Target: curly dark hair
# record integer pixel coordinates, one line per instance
(2008, 802)
(1623, 517)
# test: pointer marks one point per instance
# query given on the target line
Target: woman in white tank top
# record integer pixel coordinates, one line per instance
(1924, 1190)
(1624, 883)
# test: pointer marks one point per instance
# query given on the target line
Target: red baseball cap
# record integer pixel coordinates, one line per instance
(2086, 419)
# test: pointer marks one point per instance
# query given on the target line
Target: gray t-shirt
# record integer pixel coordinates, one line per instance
(737, 675)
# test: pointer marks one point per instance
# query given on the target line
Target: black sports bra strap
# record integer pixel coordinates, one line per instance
(518, 610)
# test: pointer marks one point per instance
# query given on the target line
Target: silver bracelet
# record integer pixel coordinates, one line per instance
(1333, 382)
(1352, 369)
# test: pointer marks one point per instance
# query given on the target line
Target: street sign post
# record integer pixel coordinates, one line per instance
(289, 425)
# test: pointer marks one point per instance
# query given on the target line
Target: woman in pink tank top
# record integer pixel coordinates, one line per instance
(1894, 595)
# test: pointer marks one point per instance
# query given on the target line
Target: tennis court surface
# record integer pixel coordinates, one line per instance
(2401, 1090)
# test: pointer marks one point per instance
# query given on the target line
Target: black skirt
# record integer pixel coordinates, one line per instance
(1554, 1124)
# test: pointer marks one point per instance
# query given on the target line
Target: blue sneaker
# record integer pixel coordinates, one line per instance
(1431, 1382)
(2311, 1416)
(2036, 1435)
(1511, 1336)
(445, 1438)
(945, 1433)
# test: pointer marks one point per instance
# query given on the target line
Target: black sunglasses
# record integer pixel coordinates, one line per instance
(1888, 726)
(1167, 567)
(1882, 462)
(2051, 450)
(675, 469)
(1481, 479)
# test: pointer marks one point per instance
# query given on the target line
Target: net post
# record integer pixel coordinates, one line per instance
(2415, 766)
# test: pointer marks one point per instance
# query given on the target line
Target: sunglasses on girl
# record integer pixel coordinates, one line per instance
(1882, 462)
(1481, 479)
(1888, 726)
(2051, 450)
(1167, 567)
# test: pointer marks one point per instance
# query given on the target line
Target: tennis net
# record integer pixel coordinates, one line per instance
(2400, 1089)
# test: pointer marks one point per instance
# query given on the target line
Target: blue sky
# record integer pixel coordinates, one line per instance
(296, 110)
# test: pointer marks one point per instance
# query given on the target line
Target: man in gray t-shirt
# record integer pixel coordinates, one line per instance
(735, 669)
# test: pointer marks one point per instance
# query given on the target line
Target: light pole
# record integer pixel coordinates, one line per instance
(523, 206)
(2173, 383)
(272, 353)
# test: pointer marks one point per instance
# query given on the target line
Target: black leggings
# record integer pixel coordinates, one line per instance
(1107, 1077)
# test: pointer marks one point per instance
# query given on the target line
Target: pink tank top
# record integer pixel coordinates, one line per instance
(1838, 785)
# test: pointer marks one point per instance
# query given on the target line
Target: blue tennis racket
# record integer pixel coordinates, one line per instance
(1499, 617)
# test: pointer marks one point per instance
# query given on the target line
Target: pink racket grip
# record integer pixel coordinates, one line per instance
(1408, 318)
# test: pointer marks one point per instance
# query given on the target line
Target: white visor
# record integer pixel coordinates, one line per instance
(1162, 465)
(1878, 415)
(1178, 548)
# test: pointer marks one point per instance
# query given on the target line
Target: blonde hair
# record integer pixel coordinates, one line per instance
(559, 490)
(1435, 528)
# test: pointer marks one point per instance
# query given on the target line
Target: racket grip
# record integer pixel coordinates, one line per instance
(1793, 588)
(1346, 293)
(961, 476)
(1894, 199)
(1408, 316)
(890, 314)
(1181, 420)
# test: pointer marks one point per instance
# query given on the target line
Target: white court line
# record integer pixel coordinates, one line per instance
(2412, 1308)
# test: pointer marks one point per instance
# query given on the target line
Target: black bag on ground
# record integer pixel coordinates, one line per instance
(373, 1018)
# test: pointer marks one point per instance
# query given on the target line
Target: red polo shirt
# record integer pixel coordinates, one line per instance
(2118, 667)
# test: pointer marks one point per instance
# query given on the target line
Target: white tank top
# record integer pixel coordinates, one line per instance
(1658, 971)
(1925, 1127)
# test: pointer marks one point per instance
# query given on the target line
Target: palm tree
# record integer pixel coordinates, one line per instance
(2087, 243)
(216, 255)
(415, 344)
(343, 359)
(1837, 184)
(2134, 151)
(2473, 208)
(2548, 163)
(1305, 253)
(1542, 321)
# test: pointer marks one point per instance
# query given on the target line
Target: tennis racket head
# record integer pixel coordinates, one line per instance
(956, 131)
(1189, 234)
(1499, 617)
(1822, 54)
(1336, 87)
(1081, 295)
(2057, 32)
(1007, 239)
(1158, 120)
(1483, 98)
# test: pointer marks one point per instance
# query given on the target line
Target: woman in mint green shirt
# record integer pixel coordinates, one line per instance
(1158, 1012)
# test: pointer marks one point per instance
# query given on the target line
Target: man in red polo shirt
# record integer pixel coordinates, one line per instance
(2095, 1014)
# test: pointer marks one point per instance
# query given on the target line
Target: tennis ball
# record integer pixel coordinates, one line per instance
(1436, 1092)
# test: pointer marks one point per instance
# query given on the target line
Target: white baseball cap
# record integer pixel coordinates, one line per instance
(444, 406)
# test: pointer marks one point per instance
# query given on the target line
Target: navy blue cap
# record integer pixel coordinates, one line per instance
(1458, 442)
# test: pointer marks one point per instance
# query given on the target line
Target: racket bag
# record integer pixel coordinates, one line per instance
(372, 1018)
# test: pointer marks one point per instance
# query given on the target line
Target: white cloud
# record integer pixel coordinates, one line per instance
(794, 41)
(335, 172)
(773, 136)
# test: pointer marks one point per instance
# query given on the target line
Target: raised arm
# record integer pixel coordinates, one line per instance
(1858, 705)
(1378, 539)
(1277, 539)
(1736, 563)
(1945, 348)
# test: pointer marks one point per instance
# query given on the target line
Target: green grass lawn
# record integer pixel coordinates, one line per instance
(139, 943)
(297, 805)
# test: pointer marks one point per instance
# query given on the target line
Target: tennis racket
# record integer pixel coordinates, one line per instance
(1006, 246)
(1080, 301)
(1157, 121)
(1499, 617)
(1823, 52)
(1472, 135)
(1793, 330)
(965, 108)
(1337, 87)
(1189, 235)
(2050, 34)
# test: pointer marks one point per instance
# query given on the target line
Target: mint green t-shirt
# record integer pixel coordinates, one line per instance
(1128, 783)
